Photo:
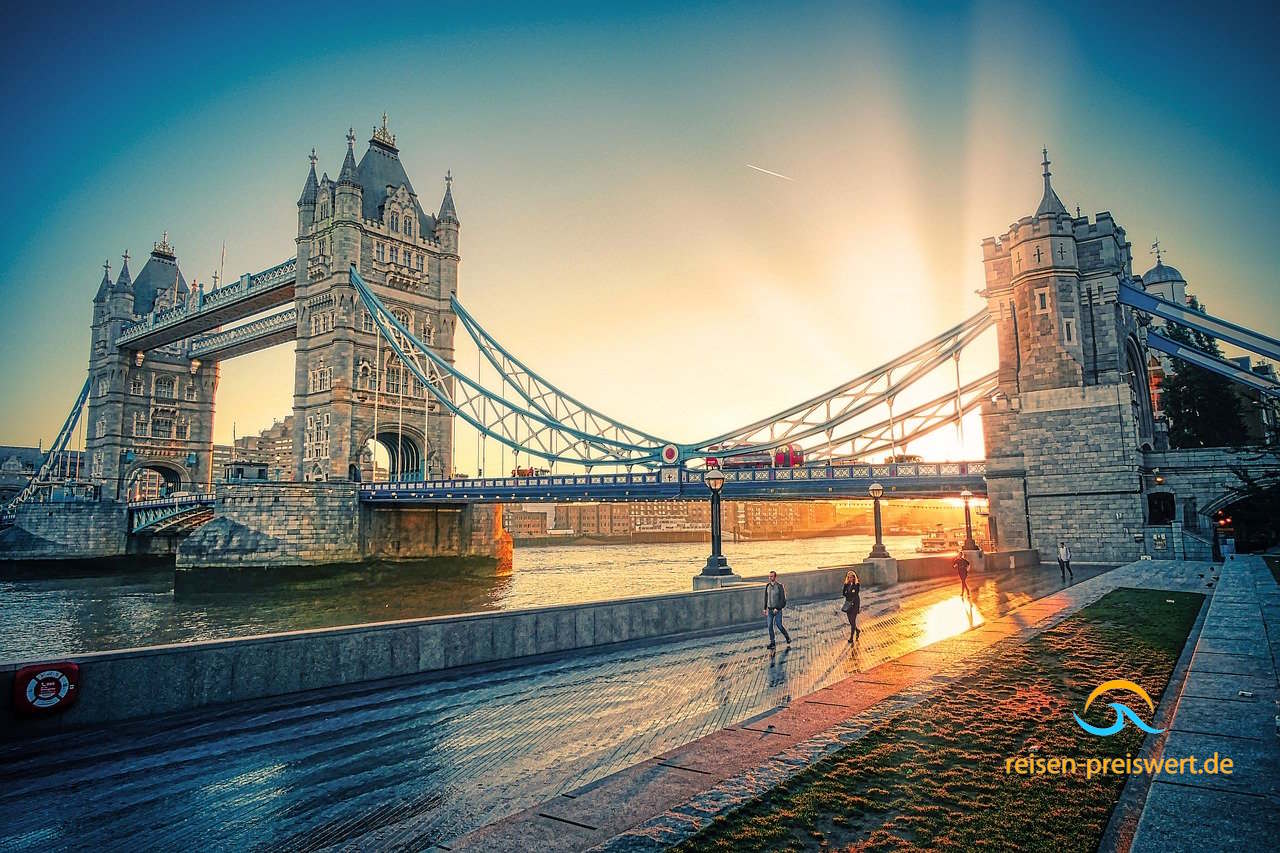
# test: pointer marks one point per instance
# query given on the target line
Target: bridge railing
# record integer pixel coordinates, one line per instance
(242, 288)
(674, 483)
(257, 329)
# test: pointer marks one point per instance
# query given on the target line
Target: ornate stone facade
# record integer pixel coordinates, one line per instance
(1067, 428)
(349, 386)
(147, 410)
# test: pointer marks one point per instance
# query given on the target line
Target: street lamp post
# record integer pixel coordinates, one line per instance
(969, 544)
(878, 551)
(716, 564)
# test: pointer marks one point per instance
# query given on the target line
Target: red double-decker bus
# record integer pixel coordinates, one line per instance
(786, 456)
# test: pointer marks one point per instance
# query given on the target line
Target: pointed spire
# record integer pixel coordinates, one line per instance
(348, 173)
(311, 186)
(1050, 203)
(448, 213)
(104, 289)
(124, 282)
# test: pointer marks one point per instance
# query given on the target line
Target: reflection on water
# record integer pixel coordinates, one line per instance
(59, 616)
(949, 617)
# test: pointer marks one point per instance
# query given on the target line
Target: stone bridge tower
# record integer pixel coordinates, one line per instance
(147, 411)
(1066, 430)
(344, 383)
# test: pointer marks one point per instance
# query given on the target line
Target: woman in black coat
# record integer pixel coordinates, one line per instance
(852, 602)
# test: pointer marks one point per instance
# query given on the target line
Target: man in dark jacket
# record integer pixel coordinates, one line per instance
(775, 598)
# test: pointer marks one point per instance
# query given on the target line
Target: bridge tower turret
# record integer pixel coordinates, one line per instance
(307, 201)
(1065, 432)
(347, 378)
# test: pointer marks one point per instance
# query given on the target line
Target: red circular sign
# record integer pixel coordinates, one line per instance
(670, 454)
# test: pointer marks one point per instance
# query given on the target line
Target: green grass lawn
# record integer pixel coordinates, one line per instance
(934, 776)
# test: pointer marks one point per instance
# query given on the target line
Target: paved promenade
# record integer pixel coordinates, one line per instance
(684, 789)
(428, 760)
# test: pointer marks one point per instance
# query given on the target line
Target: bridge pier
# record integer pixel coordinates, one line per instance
(56, 531)
(279, 525)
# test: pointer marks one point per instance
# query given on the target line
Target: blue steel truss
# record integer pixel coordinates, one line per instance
(921, 479)
(1214, 327)
(164, 515)
(1209, 362)
(43, 476)
(819, 416)
(545, 422)
(521, 429)
(544, 397)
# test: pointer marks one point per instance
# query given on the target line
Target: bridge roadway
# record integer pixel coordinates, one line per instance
(812, 482)
(421, 761)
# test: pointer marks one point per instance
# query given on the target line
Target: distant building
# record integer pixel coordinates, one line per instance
(1261, 412)
(594, 519)
(19, 464)
(525, 524)
(272, 448)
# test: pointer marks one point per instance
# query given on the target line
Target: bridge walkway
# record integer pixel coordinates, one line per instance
(425, 761)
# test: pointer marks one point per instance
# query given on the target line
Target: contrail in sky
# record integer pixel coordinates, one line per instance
(767, 172)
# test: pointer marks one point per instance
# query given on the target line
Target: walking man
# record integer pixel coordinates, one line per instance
(775, 598)
(961, 565)
(1064, 560)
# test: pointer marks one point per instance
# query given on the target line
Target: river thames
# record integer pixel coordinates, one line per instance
(50, 617)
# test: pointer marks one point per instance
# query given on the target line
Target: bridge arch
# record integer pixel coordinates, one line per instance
(174, 477)
(1140, 387)
(396, 452)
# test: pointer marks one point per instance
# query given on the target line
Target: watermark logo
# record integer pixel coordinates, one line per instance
(1123, 712)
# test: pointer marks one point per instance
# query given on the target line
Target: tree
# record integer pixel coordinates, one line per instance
(1203, 410)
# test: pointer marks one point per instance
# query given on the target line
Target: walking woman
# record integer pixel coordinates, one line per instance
(852, 602)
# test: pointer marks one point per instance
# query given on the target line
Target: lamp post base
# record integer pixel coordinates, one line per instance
(878, 552)
(716, 581)
(717, 564)
(715, 573)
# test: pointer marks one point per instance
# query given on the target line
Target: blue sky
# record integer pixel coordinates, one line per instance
(600, 155)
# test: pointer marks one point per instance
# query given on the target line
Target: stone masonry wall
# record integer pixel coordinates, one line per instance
(279, 524)
(1202, 478)
(66, 531)
(1080, 473)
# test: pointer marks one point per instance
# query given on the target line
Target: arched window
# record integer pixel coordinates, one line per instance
(380, 251)
(190, 392)
(408, 226)
(404, 317)
(137, 385)
(104, 384)
(181, 429)
(164, 388)
(395, 222)
(139, 424)
(395, 255)
(100, 429)
(366, 322)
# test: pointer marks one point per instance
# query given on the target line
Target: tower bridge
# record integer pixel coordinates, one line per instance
(371, 301)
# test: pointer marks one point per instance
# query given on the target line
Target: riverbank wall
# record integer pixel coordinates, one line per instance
(136, 683)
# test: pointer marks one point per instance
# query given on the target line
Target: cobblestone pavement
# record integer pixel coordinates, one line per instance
(424, 761)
